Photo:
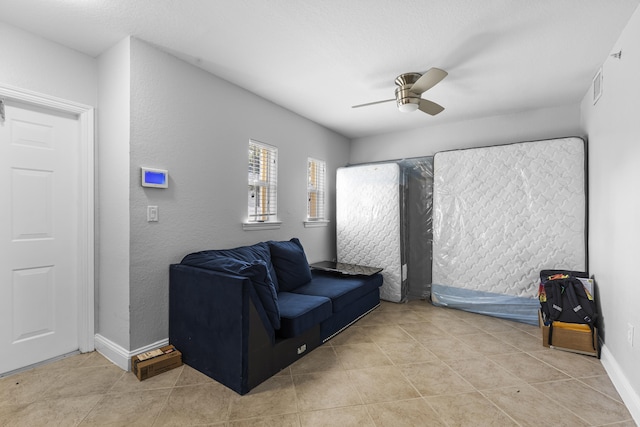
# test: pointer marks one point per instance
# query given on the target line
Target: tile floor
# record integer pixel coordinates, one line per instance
(402, 365)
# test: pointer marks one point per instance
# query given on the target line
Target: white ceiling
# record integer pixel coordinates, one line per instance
(320, 57)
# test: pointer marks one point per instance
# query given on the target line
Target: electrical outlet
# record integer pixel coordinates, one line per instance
(630, 334)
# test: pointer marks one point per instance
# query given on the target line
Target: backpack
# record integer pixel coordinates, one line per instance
(564, 298)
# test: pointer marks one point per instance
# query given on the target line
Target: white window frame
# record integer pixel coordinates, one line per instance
(262, 205)
(316, 193)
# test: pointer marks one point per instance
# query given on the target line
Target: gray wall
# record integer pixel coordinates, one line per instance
(33, 63)
(198, 127)
(156, 110)
(613, 125)
(545, 123)
(112, 195)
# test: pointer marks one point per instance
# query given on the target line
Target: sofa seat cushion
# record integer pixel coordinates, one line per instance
(300, 312)
(259, 251)
(342, 290)
(290, 263)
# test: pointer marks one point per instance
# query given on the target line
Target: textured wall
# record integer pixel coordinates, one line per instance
(198, 127)
(547, 123)
(33, 63)
(112, 193)
(613, 126)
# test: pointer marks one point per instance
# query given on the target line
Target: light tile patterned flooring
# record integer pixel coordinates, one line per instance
(402, 365)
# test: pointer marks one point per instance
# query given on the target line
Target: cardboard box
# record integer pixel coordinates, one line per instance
(572, 337)
(152, 363)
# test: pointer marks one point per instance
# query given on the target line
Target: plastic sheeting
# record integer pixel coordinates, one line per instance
(502, 214)
(419, 208)
(504, 306)
(383, 219)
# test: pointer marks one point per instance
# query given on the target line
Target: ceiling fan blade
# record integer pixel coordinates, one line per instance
(373, 103)
(428, 80)
(430, 107)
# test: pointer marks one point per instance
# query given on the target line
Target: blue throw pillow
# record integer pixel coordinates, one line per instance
(290, 263)
(259, 251)
(255, 270)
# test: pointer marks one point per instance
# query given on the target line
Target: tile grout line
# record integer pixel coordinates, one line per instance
(166, 399)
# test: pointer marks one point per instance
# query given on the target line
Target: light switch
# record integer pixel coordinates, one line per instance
(152, 214)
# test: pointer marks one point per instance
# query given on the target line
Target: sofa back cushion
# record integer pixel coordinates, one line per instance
(259, 251)
(256, 270)
(290, 264)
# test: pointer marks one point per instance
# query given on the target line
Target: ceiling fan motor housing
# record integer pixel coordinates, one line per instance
(405, 99)
(409, 91)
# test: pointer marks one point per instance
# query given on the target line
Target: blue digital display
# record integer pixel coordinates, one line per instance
(155, 178)
(151, 177)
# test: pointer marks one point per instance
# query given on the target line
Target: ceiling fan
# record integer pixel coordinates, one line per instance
(410, 87)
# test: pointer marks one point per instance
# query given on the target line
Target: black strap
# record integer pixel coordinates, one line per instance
(575, 304)
(594, 338)
(580, 311)
(555, 310)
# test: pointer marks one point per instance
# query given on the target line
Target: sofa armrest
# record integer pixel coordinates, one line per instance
(214, 319)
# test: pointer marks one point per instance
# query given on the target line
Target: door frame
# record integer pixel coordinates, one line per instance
(86, 220)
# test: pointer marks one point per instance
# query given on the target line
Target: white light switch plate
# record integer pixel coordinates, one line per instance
(152, 214)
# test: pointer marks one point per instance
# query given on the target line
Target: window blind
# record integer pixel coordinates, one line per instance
(263, 177)
(315, 189)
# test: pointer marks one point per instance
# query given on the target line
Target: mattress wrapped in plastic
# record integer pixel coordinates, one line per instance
(383, 219)
(369, 224)
(502, 214)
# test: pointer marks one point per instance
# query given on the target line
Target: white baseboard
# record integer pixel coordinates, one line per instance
(619, 380)
(118, 354)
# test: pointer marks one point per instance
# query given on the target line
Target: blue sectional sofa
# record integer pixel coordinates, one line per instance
(241, 315)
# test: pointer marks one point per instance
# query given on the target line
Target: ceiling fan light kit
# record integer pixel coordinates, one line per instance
(406, 100)
(407, 105)
(410, 87)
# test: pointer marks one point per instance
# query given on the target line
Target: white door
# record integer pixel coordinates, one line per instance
(39, 235)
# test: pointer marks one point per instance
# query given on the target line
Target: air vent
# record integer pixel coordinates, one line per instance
(597, 86)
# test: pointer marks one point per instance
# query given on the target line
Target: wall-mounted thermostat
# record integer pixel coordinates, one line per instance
(158, 178)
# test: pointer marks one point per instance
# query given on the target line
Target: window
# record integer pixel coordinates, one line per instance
(315, 189)
(263, 177)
